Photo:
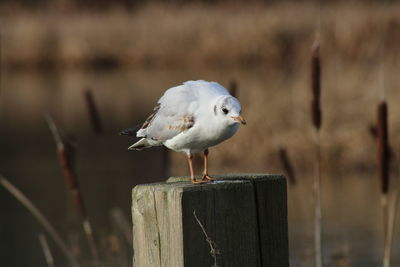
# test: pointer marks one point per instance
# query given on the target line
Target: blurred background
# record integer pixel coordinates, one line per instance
(128, 52)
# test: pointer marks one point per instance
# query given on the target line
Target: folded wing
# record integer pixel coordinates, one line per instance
(173, 115)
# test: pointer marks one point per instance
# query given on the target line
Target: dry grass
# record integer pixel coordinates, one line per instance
(46, 250)
(158, 35)
(41, 219)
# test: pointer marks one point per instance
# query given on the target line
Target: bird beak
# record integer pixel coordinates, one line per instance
(240, 120)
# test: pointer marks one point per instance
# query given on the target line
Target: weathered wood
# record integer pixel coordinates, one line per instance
(244, 214)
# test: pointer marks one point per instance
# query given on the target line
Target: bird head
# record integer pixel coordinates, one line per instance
(229, 109)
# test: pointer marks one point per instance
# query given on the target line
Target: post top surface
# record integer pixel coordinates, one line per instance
(183, 183)
(229, 177)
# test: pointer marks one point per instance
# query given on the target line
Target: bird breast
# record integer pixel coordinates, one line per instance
(201, 136)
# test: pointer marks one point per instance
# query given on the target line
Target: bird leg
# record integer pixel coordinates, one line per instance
(190, 161)
(206, 177)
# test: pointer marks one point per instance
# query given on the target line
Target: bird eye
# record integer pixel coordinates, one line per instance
(225, 111)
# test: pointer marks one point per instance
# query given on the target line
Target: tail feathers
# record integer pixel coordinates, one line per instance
(130, 131)
(141, 144)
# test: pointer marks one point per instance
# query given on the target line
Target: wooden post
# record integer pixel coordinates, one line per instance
(244, 216)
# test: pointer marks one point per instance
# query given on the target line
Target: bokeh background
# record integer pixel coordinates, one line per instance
(128, 52)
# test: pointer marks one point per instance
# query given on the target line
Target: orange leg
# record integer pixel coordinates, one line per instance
(190, 161)
(206, 177)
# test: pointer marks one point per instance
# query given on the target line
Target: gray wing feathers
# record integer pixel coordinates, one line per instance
(173, 115)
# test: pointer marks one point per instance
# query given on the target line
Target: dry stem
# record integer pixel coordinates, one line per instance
(40, 217)
(287, 165)
(93, 112)
(317, 121)
(383, 156)
(213, 246)
(391, 217)
(46, 250)
(92, 244)
(317, 203)
(66, 158)
(391, 222)
(54, 130)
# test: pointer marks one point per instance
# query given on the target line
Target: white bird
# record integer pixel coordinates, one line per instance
(191, 118)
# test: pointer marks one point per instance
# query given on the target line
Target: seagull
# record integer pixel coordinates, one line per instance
(190, 118)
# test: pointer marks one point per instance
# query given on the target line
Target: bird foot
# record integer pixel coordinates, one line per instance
(194, 181)
(207, 178)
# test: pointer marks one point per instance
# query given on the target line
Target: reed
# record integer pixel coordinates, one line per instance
(316, 116)
(383, 157)
(66, 157)
(93, 112)
(392, 214)
(287, 165)
(46, 250)
(383, 151)
(41, 219)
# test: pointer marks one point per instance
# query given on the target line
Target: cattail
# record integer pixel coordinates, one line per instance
(71, 178)
(287, 165)
(383, 146)
(317, 121)
(40, 217)
(66, 156)
(383, 157)
(316, 86)
(233, 88)
(93, 113)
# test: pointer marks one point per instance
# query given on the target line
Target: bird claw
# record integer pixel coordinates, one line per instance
(207, 178)
(194, 181)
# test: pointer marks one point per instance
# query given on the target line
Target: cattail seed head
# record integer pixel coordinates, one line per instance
(316, 86)
(67, 168)
(66, 161)
(383, 151)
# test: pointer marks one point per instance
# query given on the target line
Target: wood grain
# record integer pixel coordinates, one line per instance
(244, 214)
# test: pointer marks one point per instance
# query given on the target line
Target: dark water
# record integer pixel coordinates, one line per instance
(107, 171)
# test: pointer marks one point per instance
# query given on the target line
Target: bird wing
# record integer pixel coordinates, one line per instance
(173, 114)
